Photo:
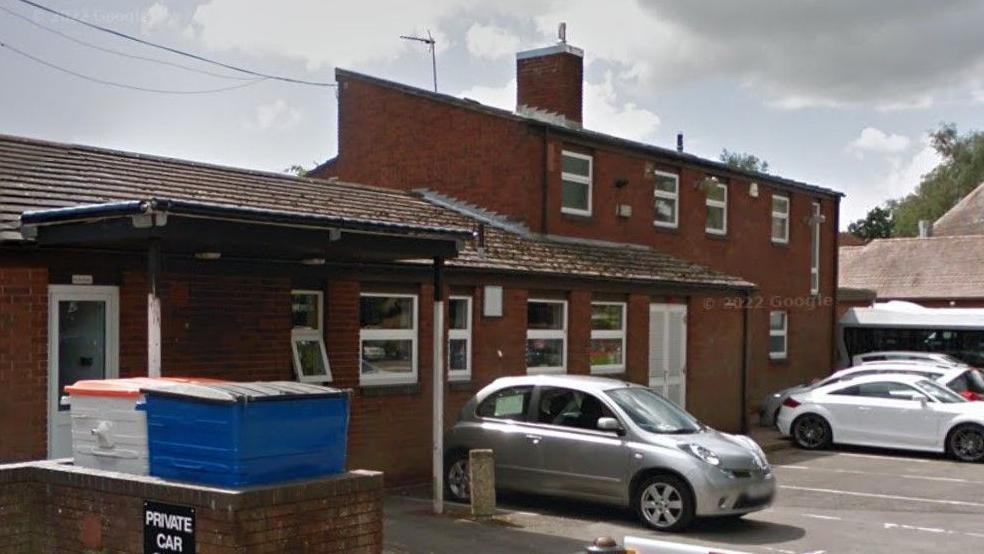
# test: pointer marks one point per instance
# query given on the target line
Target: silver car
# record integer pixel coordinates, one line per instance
(606, 440)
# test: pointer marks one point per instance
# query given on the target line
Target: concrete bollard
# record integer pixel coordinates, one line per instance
(481, 476)
(605, 545)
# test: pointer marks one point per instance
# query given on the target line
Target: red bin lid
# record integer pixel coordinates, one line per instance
(130, 387)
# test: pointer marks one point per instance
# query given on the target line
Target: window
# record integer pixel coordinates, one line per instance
(667, 199)
(511, 403)
(307, 342)
(459, 337)
(388, 338)
(888, 390)
(546, 336)
(815, 249)
(780, 219)
(607, 337)
(575, 196)
(717, 209)
(778, 326)
(570, 408)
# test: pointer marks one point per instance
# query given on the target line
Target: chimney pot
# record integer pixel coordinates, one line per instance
(925, 228)
(680, 142)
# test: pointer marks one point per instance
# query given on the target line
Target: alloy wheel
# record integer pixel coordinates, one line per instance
(662, 504)
(967, 444)
(459, 480)
(810, 432)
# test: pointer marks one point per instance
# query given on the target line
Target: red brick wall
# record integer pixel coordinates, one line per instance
(553, 83)
(23, 361)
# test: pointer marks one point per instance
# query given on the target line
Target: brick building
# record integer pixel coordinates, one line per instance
(256, 275)
(539, 167)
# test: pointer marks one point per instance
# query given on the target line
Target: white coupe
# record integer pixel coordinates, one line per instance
(907, 412)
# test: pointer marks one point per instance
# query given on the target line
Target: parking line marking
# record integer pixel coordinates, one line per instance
(880, 457)
(904, 476)
(818, 516)
(885, 496)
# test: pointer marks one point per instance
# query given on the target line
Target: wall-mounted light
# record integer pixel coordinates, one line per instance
(753, 190)
(208, 255)
(313, 261)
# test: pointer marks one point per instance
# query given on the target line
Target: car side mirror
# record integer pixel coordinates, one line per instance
(610, 424)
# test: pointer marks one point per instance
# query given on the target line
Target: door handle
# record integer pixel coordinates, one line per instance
(535, 439)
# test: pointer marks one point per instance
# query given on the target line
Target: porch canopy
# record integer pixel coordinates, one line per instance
(208, 229)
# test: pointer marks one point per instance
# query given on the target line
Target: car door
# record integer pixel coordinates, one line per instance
(503, 427)
(576, 457)
(847, 411)
(894, 416)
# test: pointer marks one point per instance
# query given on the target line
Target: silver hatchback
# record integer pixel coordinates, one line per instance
(606, 440)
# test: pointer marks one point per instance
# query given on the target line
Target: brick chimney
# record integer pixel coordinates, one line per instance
(551, 79)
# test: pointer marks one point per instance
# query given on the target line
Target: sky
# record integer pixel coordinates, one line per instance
(837, 93)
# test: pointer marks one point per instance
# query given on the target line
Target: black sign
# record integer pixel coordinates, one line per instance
(168, 529)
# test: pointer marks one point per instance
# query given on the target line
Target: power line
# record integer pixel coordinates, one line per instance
(123, 54)
(122, 85)
(175, 50)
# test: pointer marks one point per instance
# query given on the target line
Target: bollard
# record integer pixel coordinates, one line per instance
(605, 545)
(481, 476)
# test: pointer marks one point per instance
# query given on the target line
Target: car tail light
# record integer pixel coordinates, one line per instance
(969, 395)
(790, 403)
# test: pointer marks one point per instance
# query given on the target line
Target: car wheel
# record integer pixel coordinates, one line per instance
(457, 479)
(812, 432)
(966, 443)
(665, 503)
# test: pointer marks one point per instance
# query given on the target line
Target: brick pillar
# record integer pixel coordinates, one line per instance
(23, 363)
(637, 339)
(342, 332)
(579, 333)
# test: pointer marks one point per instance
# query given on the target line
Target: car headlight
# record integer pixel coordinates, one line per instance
(701, 453)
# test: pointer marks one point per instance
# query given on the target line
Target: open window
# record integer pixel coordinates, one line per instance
(307, 340)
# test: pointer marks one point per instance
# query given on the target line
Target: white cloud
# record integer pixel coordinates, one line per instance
(978, 96)
(603, 110)
(322, 33)
(900, 177)
(491, 42)
(878, 141)
(276, 115)
(156, 17)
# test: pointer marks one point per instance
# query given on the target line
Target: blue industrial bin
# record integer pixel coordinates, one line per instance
(243, 434)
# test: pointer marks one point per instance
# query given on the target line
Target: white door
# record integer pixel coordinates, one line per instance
(83, 339)
(668, 351)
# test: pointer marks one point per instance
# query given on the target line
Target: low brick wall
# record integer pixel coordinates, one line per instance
(53, 506)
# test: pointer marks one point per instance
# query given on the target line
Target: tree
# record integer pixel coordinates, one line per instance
(298, 170)
(960, 172)
(744, 161)
(877, 224)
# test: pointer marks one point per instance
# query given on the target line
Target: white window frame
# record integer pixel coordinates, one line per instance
(780, 215)
(784, 333)
(391, 334)
(815, 249)
(548, 334)
(461, 334)
(675, 196)
(564, 176)
(603, 369)
(298, 334)
(723, 204)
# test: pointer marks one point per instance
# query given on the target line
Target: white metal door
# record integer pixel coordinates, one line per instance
(668, 351)
(83, 343)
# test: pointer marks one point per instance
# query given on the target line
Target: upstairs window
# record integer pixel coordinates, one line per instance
(607, 337)
(388, 338)
(576, 184)
(780, 219)
(307, 342)
(546, 336)
(716, 221)
(667, 199)
(778, 332)
(459, 338)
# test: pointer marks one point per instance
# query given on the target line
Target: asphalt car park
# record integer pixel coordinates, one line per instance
(834, 501)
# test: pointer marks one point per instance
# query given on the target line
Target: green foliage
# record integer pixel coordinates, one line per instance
(744, 161)
(877, 224)
(298, 170)
(960, 172)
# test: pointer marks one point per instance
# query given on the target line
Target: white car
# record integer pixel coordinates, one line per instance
(907, 412)
(900, 355)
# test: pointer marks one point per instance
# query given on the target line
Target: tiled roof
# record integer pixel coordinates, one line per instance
(965, 218)
(664, 153)
(916, 268)
(37, 175)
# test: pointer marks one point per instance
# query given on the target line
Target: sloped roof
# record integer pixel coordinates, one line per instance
(916, 268)
(964, 218)
(587, 134)
(38, 175)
